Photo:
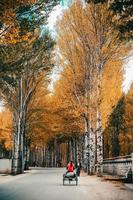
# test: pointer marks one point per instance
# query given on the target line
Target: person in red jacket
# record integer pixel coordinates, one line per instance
(70, 167)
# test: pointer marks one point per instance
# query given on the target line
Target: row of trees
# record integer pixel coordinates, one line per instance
(87, 105)
(88, 46)
(25, 65)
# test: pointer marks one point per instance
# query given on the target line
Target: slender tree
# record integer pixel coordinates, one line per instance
(122, 16)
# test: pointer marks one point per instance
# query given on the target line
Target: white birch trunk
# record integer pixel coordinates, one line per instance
(99, 136)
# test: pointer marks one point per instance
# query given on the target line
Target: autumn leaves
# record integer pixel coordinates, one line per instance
(89, 55)
(89, 52)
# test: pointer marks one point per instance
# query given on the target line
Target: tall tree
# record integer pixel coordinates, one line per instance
(122, 16)
(87, 37)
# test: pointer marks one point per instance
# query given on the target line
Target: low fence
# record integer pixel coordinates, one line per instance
(121, 166)
(5, 165)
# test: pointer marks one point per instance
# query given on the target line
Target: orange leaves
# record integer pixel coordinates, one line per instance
(6, 128)
(10, 32)
(13, 36)
(9, 16)
(39, 115)
(111, 89)
(67, 110)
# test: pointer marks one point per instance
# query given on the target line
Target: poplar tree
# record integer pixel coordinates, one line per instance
(122, 16)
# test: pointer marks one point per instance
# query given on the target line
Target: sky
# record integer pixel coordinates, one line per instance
(54, 16)
(128, 74)
(1, 106)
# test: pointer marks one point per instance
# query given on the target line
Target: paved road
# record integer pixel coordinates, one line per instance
(46, 184)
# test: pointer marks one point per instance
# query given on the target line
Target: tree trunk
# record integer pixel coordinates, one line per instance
(99, 134)
(18, 158)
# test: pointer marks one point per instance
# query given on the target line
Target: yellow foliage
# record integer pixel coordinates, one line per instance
(111, 89)
(6, 128)
(11, 32)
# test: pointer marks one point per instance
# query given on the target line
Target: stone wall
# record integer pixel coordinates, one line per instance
(5, 165)
(121, 166)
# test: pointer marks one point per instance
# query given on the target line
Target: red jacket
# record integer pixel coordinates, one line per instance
(70, 167)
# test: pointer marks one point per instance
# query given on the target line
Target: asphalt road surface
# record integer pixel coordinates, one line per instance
(46, 184)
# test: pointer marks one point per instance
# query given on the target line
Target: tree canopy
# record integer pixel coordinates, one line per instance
(123, 16)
